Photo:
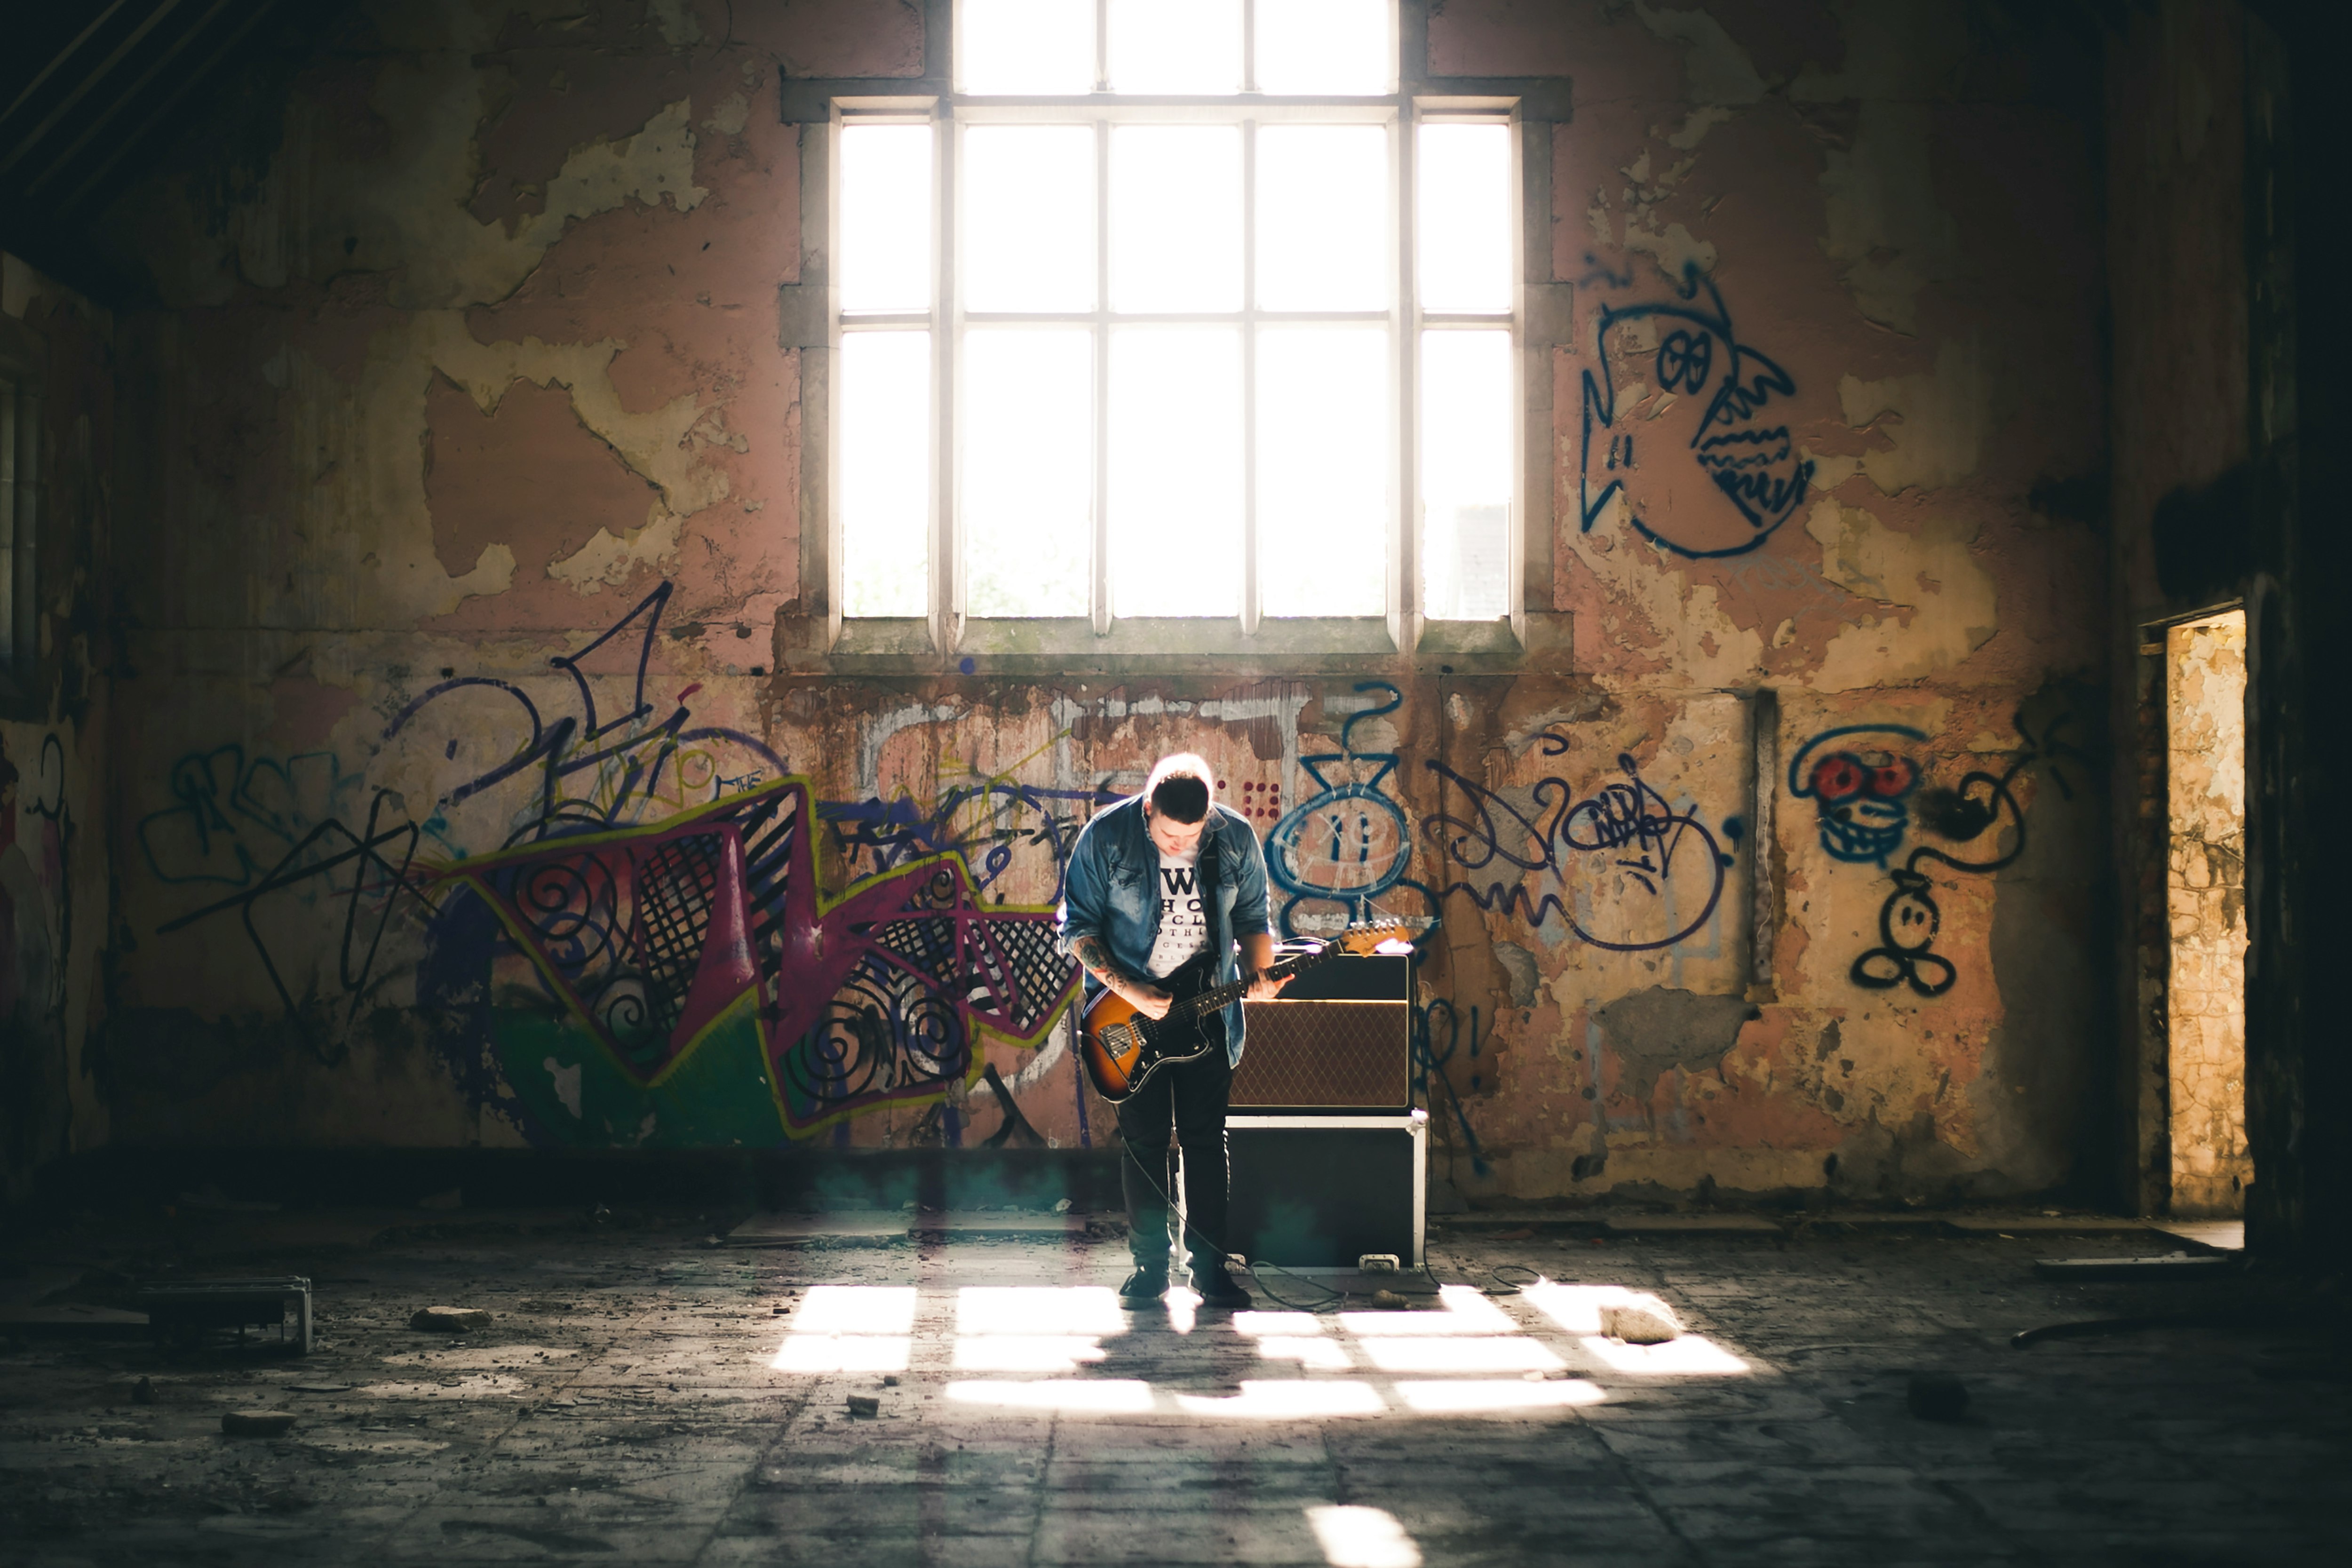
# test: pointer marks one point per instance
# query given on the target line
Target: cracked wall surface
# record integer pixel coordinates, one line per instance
(479, 531)
(2205, 678)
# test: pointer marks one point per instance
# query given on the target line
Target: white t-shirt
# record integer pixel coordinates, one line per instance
(1183, 921)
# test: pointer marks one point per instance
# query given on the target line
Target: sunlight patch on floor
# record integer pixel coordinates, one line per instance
(1319, 1355)
(1357, 1537)
(1441, 1361)
(1462, 1355)
(1026, 1353)
(1294, 1400)
(1471, 1396)
(1103, 1396)
(1693, 1355)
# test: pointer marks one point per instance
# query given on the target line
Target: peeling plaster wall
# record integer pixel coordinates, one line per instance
(478, 370)
(2206, 913)
(54, 874)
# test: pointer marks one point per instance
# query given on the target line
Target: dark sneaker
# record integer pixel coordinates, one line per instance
(1217, 1289)
(1144, 1287)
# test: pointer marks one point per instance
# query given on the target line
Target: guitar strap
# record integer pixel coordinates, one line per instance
(1206, 875)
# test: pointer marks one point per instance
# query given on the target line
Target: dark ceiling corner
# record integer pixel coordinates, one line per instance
(95, 94)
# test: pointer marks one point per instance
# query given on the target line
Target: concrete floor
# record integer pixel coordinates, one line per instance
(628, 1405)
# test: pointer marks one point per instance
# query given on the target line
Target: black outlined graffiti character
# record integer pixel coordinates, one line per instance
(1984, 803)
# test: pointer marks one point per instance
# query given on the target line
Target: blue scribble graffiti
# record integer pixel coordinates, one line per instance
(236, 816)
(1438, 1031)
(986, 823)
(1862, 792)
(1700, 357)
(595, 772)
(1634, 830)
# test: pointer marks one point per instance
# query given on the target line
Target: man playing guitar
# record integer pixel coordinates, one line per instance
(1166, 885)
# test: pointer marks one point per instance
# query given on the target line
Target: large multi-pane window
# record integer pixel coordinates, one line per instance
(1175, 309)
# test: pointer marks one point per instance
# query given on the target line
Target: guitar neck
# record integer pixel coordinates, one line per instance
(1207, 1002)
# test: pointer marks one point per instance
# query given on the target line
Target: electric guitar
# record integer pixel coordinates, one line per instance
(1122, 1048)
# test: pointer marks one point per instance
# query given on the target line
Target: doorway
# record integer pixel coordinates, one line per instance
(2205, 908)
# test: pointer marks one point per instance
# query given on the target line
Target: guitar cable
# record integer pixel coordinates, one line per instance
(1248, 1267)
(1334, 1301)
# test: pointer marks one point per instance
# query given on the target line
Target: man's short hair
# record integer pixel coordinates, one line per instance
(1179, 788)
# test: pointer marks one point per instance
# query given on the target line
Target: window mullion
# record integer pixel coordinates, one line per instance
(1250, 598)
(1101, 591)
(946, 600)
(1514, 523)
(1404, 554)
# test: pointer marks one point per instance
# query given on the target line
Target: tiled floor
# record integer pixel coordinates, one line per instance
(641, 1397)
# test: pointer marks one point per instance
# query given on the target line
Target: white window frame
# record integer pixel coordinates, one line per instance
(946, 628)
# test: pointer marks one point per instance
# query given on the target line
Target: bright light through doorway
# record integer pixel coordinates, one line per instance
(2205, 898)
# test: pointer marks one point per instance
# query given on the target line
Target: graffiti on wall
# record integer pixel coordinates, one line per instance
(642, 955)
(685, 981)
(1439, 1031)
(332, 862)
(1622, 869)
(279, 830)
(1861, 791)
(234, 817)
(992, 816)
(589, 769)
(1706, 418)
(1345, 847)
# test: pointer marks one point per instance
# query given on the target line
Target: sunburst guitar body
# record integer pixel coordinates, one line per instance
(1122, 1048)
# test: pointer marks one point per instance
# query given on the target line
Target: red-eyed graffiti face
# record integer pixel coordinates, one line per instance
(1861, 798)
(1843, 776)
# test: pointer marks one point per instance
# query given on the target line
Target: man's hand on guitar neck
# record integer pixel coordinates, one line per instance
(1141, 995)
(1257, 957)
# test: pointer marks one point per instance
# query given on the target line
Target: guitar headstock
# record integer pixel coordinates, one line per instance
(1371, 936)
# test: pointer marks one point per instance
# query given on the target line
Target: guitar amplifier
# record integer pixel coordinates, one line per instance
(1338, 1040)
(1320, 1192)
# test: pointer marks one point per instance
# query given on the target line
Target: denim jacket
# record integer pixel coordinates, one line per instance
(1111, 890)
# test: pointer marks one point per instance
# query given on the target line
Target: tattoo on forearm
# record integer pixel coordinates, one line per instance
(1090, 953)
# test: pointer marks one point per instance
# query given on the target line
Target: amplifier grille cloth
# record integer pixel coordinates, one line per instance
(1325, 1055)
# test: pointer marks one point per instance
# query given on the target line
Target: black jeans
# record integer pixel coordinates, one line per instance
(1190, 1095)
